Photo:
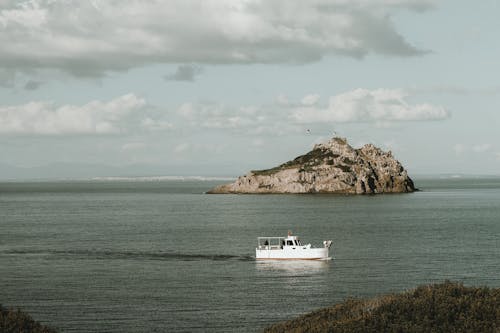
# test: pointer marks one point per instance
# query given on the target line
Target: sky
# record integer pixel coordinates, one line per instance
(218, 88)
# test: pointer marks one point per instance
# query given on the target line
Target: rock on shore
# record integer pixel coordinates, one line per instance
(331, 167)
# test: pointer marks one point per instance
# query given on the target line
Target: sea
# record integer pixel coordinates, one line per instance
(160, 255)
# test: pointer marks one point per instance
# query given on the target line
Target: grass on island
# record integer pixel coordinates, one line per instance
(16, 321)
(306, 162)
(446, 307)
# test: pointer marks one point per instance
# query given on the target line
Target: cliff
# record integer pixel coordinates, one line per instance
(331, 167)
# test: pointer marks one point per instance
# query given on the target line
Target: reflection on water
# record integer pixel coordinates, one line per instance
(293, 267)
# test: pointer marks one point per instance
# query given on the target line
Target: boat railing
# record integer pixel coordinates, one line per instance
(270, 243)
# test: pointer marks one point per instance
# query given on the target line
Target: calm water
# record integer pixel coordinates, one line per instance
(163, 257)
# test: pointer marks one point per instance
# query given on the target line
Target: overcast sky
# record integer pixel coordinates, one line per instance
(222, 87)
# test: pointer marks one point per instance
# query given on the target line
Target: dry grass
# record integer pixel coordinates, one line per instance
(311, 159)
(16, 321)
(446, 307)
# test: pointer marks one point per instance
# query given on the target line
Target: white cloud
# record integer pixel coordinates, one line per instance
(90, 38)
(96, 117)
(382, 107)
(310, 99)
(130, 113)
(150, 124)
(220, 116)
(187, 148)
(182, 147)
(481, 148)
(258, 142)
(252, 120)
(362, 105)
(455, 90)
(282, 100)
(131, 146)
(460, 148)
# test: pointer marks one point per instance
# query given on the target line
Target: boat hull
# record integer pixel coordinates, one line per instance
(289, 253)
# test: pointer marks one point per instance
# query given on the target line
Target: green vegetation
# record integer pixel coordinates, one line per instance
(446, 307)
(306, 162)
(15, 321)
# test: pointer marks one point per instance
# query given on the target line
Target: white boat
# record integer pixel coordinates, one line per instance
(289, 248)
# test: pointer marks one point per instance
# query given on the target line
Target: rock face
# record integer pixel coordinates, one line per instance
(331, 167)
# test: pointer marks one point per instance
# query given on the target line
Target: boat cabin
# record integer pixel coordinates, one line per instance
(272, 243)
(292, 241)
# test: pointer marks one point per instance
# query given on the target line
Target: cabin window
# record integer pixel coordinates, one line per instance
(289, 242)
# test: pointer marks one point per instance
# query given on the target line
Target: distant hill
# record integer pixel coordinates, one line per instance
(446, 307)
(330, 167)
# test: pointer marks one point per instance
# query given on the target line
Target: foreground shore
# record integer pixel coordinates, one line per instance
(16, 321)
(446, 307)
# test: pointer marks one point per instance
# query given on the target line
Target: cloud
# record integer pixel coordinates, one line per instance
(182, 147)
(282, 100)
(481, 148)
(220, 116)
(32, 85)
(461, 148)
(184, 73)
(7, 77)
(130, 113)
(155, 123)
(186, 148)
(249, 119)
(362, 105)
(133, 146)
(96, 117)
(91, 38)
(310, 99)
(455, 90)
(383, 107)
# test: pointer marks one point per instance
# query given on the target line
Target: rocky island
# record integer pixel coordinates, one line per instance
(330, 167)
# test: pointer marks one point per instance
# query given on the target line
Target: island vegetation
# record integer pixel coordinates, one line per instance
(16, 321)
(445, 307)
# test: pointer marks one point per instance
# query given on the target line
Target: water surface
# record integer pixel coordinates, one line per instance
(146, 256)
